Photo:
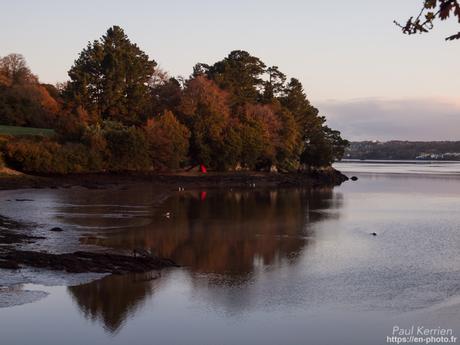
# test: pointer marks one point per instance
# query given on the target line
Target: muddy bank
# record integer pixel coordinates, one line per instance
(83, 262)
(318, 178)
(12, 235)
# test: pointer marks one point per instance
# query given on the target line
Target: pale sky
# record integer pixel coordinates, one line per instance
(356, 66)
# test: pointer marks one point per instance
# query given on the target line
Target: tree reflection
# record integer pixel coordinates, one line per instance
(113, 298)
(230, 235)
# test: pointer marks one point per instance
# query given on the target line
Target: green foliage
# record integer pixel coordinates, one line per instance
(253, 143)
(274, 86)
(241, 74)
(110, 78)
(168, 141)
(166, 95)
(126, 147)
(323, 147)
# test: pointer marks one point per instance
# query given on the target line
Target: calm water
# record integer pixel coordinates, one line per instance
(287, 266)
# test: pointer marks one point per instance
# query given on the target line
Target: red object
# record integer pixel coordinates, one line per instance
(203, 196)
(203, 169)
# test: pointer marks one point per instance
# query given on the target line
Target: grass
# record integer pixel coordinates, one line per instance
(18, 131)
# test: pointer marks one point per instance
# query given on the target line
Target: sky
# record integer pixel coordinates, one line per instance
(364, 75)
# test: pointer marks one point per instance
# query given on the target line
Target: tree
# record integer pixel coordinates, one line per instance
(14, 70)
(321, 145)
(23, 100)
(432, 10)
(127, 147)
(337, 143)
(296, 102)
(110, 78)
(205, 110)
(291, 144)
(168, 141)
(274, 86)
(166, 95)
(239, 73)
(264, 136)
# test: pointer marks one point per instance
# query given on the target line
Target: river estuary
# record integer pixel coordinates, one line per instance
(259, 266)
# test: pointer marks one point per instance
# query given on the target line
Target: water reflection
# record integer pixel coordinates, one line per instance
(112, 299)
(231, 232)
(224, 237)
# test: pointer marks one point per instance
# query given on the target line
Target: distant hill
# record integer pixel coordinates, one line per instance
(423, 150)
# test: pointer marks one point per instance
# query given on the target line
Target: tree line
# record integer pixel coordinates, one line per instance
(119, 111)
(405, 150)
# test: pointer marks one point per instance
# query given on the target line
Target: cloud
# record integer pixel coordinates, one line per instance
(408, 119)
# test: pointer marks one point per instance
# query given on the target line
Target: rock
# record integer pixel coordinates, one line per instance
(354, 178)
(374, 234)
(57, 229)
(142, 252)
(9, 265)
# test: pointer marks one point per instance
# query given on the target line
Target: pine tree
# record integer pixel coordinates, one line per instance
(110, 78)
(239, 73)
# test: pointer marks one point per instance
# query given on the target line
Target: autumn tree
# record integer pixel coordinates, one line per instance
(291, 144)
(14, 70)
(168, 141)
(111, 76)
(120, 112)
(205, 110)
(430, 12)
(261, 127)
(23, 100)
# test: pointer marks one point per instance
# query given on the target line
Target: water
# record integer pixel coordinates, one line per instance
(287, 266)
(401, 167)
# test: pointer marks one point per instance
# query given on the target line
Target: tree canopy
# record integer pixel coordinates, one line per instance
(110, 78)
(23, 100)
(119, 111)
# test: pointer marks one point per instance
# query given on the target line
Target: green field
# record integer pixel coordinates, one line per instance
(18, 131)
